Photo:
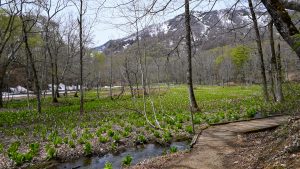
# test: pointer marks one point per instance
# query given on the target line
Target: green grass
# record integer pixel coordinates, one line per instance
(113, 121)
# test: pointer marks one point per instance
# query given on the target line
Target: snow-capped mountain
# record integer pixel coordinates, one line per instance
(209, 29)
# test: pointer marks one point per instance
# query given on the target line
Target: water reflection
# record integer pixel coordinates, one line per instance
(138, 155)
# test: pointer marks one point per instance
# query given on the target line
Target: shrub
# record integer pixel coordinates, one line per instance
(66, 140)
(17, 157)
(113, 146)
(51, 152)
(179, 125)
(125, 134)
(128, 129)
(251, 112)
(57, 140)
(111, 133)
(71, 144)
(197, 120)
(167, 137)
(81, 140)
(108, 165)
(74, 134)
(87, 148)
(116, 138)
(173, 149)
(34, 148)
(103, 139)
(189, 129)
(100, 131)
(1, 148)
(141, 139)
(156, 134)
(127, 160)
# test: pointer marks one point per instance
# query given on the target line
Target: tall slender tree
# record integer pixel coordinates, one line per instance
(10, 32)
(80, 22)
(275, 67)
(260, 51)
(28, 22)
(193, 103)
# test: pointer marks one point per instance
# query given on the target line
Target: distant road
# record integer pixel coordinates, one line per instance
(7, 96)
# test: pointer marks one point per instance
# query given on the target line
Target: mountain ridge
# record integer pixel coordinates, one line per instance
(206, 27)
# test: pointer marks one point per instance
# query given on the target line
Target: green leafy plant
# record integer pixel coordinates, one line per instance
(111, 133)
(126, 161)
(57, 140)
(66, 140)
(113, 146)
(74, 134)
(179, 125)
(251, 112)
(100, 131)
(88, 149)
(81, 140)
(167, 137)
(34, 148)
(125, 134)
(108, 165)
(173, 149)
(116, 138)
(103, 139)
(1, 148)
(20, 158)
(128, 129)
(141, 139)
(156, 134)
(51, 152)
(71, 144)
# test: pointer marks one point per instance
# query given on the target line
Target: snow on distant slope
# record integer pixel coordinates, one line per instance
(204, 25)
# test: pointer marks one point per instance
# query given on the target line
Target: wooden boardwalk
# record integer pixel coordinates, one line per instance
(217, 141)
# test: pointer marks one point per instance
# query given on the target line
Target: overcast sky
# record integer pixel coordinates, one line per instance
(108, 25)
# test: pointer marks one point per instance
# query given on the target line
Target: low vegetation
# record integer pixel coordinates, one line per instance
(60, 132)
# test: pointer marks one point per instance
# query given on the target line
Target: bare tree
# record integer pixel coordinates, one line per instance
(50, 26)
(80, 22)
(283, 23)
(28, 22)
(260, 51)
(275, 67)
(193, 103)
(9, 39)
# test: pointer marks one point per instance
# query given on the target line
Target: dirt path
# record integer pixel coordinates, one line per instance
(216, 142)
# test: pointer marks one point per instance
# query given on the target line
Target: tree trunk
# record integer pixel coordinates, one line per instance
(193, 103)
(66, 90)
(27, 83)
(128, 76)
(110, 79)
(81, 55)
(35, 75)
(2, 76)
(56, 79)
(98, 94)
(260, 51)
(54, 99)
(275, 64)
(283, 23)
(1, 96)
(76, 92)
(278, 87)
(271, 74)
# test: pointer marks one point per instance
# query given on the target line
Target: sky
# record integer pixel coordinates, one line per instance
(111, 23)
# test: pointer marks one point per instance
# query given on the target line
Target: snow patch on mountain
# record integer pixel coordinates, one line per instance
(205, 26)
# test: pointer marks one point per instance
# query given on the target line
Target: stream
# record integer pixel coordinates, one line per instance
(138, 155)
